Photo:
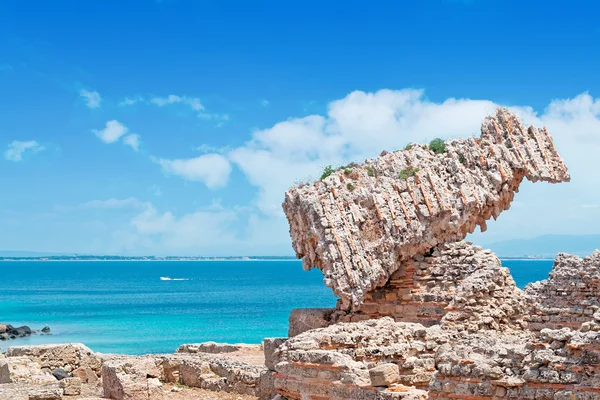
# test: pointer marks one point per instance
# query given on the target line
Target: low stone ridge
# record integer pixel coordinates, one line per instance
(217, 348)
(68, 357)
(570, 295)
(359, 224)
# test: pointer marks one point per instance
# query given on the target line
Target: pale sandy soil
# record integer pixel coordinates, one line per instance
(185, 393)
(200, 394)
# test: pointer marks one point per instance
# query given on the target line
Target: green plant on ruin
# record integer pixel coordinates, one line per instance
(327, 171)
(408, 146)
(437, 146)
(408, 172)
(370, 171)
(350, 187)
(462, 159)
(347, 171)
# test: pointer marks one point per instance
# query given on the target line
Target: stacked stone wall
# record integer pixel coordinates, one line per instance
(570, 295)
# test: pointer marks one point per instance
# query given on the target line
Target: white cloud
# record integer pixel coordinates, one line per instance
(129, 101)
(211, 169)
(265, 103)
(112, 131)
(192, 102)
(92, 99)
(17, 148)
(133, 141)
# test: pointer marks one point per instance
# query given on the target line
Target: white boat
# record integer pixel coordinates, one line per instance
(166, 278)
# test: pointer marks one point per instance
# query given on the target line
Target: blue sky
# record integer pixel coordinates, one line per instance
(174, 127)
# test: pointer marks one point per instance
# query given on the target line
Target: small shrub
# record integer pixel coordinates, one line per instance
(350, 187)
(406, 173)
(370, 171)
(347, 171)
(408, 146)
(327, 171)
(462, 159)
(437, 146)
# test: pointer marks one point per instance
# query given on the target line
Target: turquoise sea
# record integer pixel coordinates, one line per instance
(124, 307)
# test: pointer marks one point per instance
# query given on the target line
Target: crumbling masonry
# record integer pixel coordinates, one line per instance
(421, 314)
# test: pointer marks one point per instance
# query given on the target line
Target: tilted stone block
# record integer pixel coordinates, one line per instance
(358, 224)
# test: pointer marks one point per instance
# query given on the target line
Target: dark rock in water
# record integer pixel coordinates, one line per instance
(10, 332)
(21, 331)
(46, 329)
(60, 374)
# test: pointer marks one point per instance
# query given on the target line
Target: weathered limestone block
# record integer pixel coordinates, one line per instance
(53, 356)
(23, 370)
(270, 346)
(384, 374)
(359, 224)
(20, 391)
(87, 375)
(305, 319)
(70, 386)
(130, 378)
(212, 372)
(569, 297)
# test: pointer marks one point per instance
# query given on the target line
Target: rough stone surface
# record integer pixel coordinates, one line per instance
(384, 374)
(23, 370)
(209, 371)
(407, 202)
(570, 295)
(456, 284)
(70, 386)
(217, 348)
(270, 346)
(66, 356)
(305, 319)
(128, 378)
(21, 391)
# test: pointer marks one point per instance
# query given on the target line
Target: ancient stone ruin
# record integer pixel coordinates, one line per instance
(423, 315)
(359, 224)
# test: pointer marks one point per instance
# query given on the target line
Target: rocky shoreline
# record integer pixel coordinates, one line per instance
(9, 332)
(421, 315)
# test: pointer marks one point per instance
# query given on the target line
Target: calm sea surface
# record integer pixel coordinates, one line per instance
(124, 307)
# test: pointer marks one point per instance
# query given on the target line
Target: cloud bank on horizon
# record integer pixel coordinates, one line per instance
(212, 157)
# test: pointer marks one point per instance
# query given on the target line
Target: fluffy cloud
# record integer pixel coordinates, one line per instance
(129, 101)
(92, 99)
(211, 169)
(192, 102)
(112, 132)
(17, 148)
(208, 231)
(132, 141)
